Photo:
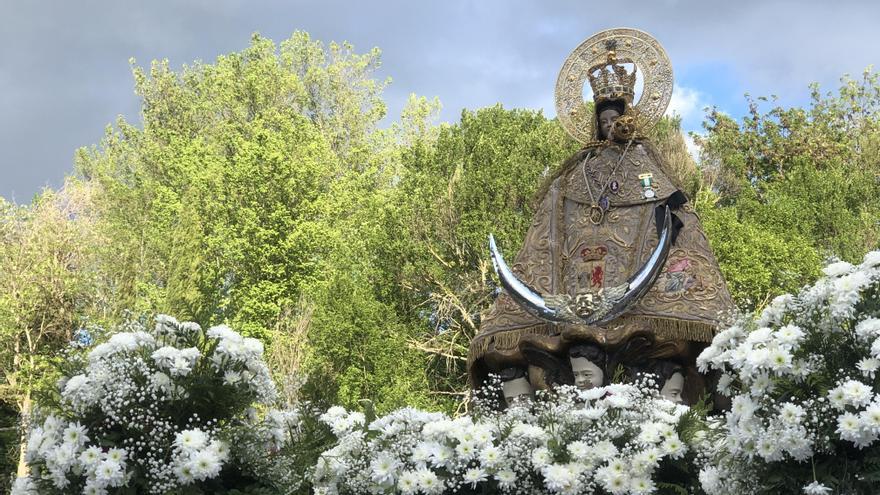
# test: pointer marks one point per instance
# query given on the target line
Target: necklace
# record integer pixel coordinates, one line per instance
(598, 208)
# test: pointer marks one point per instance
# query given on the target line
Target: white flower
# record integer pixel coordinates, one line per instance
(578, 449)
(868, 366)
(540, 457)
(474, 476)
(791, 413)
(816, 488)
(559, 478)
(604, 449)
(837, 398)
(780, 360)
(490, 456)
(204, 465)
(857, 393)
(759, 336)
(408, 482)
(710, 479)
(428, 482)
(110, 473)
(640, 485)
(870, 418)
(75, 434)
(868, 329)
(848, 426)
(117, 455)
(674, 447)
(871, 259)
(231, 378)
(384, 469)
(191, 440)
(837, 269)
(90, 457)
(789, 334)
(506, 478)
(24, 486)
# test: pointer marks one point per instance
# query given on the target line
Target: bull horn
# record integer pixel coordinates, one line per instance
(609, 304)
(529, 299)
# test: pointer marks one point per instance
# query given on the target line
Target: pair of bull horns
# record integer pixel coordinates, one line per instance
(590, 309)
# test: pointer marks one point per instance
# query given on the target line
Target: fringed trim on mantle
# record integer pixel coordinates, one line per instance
(663, 328)
(676, 329)
(504, 340)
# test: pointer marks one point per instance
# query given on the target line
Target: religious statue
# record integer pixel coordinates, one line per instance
(615, 271)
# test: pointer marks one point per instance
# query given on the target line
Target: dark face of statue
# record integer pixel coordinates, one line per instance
(606, 121)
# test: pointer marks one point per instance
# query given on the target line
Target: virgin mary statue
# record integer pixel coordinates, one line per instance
(615, 259)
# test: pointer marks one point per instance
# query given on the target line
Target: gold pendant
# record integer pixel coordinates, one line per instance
(596, 214)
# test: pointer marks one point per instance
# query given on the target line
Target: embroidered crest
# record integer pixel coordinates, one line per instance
(591, 267)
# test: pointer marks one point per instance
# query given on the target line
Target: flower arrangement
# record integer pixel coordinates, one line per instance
(616, 439)
(171, 409)
(803, 382)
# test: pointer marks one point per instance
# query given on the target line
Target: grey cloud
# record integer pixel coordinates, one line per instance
(64, 70)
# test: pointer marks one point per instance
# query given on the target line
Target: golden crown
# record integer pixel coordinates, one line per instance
(611, 81)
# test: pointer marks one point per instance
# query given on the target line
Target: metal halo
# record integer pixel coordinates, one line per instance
(643, 50)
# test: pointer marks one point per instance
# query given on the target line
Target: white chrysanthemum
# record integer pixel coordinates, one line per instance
(846, 292)
(24, 486)
(837, 269)
(541, 457)
(780, 360)
(674, 447)
(559, 478)
(605, 449)
(223, 332)
(868, 366)
(191, 440)
(429, 483)
(475, 476)
(848, 426)
(857, 393)
(408, 482)
(204, 465)
(816, 488)
(791, 413)
(110, 473)
(90, 458)
(870, 418)
(578, 449)
(506, 478)
(641, 485)
(789, 334)
(710, 480)
(75, 434)
(759, 336)
(868, 329)
(490, 456)
(871, 259)
(384, 469)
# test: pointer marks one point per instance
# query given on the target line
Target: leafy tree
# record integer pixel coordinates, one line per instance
(790, 186)
(250, 195)
(47, 282)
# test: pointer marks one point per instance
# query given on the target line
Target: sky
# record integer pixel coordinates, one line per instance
(65, 73)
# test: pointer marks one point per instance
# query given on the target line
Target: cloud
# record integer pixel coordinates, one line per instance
(692, 147)
(685, 102)
(64, 65)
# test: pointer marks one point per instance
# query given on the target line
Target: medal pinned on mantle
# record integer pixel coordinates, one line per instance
(647, 182)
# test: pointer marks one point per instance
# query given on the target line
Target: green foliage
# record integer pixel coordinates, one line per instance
(790, 186)
(468, 180)
(255, 189)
